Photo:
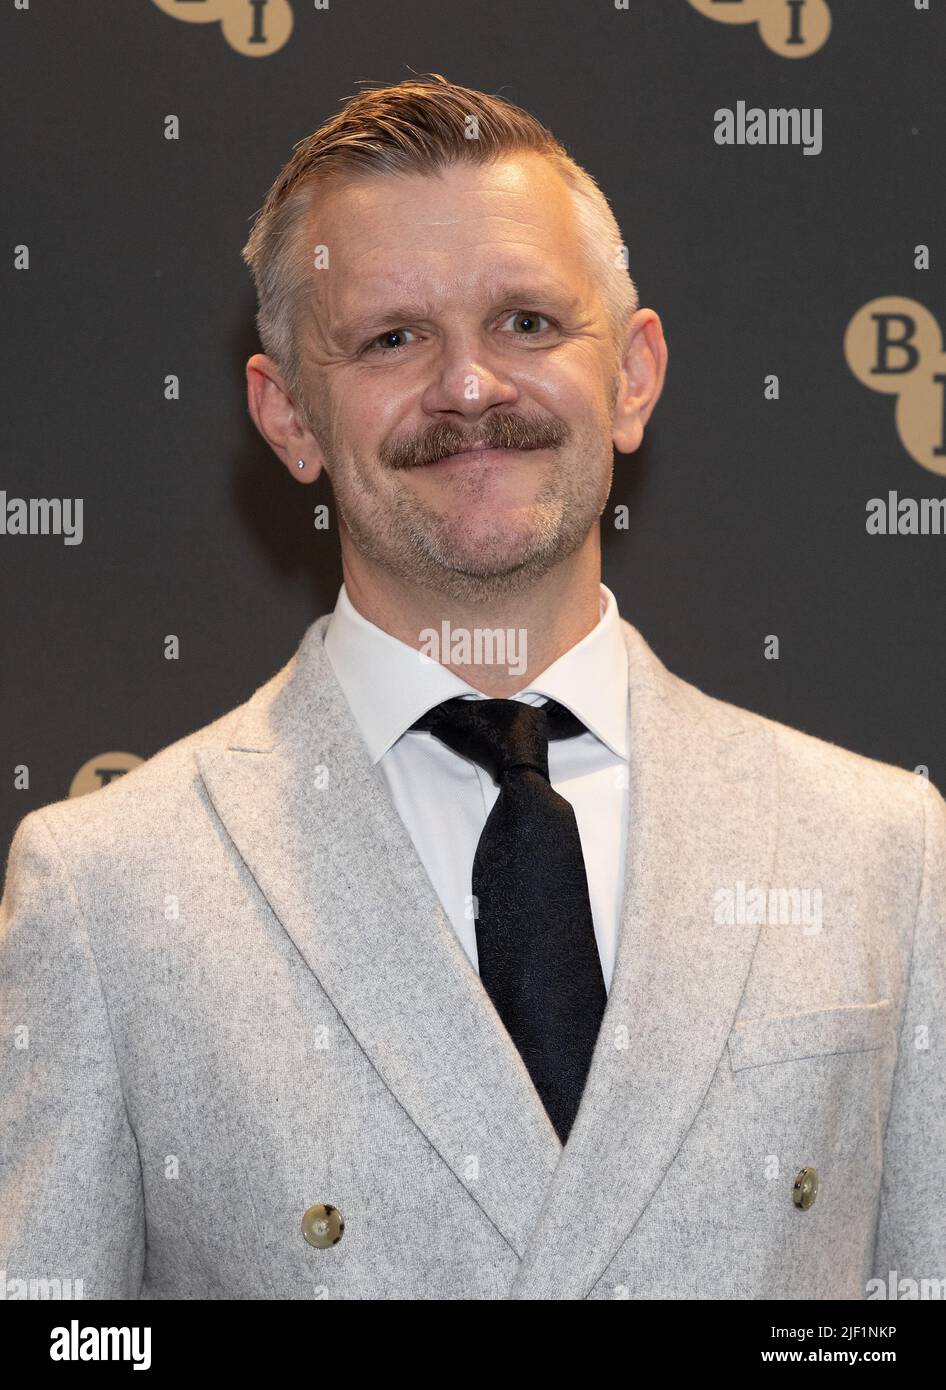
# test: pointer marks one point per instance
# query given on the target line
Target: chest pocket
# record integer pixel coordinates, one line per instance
(818, 1033)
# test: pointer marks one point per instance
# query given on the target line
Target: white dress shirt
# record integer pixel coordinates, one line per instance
(444, 799)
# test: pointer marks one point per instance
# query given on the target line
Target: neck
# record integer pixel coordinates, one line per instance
(497, 645)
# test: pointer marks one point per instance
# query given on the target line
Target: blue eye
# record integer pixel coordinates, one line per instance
(391, 333)
(530, 317)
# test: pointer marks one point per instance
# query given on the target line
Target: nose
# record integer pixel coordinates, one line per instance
(467, 379)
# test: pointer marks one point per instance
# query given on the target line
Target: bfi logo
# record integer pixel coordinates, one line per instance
(101, 770)
(255, 28)
(791, 28)
(894, 345)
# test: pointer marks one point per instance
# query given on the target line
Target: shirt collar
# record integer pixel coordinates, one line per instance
(388, 685)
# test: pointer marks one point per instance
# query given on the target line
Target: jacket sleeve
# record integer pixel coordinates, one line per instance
(911, 1227)
(71, 1198)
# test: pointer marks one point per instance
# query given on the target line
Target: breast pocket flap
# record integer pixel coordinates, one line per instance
(817, 1033)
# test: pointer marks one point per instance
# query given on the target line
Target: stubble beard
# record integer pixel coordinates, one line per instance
(416, 544)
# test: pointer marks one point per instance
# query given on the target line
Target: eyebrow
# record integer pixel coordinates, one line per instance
(353, 330)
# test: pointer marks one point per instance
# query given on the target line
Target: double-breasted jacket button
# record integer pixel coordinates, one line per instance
(322, 1225)
(805, 1187)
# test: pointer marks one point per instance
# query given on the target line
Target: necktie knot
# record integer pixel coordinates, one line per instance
(501, 735)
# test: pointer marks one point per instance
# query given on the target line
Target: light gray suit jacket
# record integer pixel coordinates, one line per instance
(229, 993)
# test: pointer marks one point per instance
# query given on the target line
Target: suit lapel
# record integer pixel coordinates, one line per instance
(314, 823)
(701, 817)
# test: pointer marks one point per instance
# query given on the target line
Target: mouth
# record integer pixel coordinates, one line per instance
(475, 455)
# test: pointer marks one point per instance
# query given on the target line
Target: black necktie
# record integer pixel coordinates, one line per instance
(538, 959)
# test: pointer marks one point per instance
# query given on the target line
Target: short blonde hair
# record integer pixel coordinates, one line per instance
(421, 127)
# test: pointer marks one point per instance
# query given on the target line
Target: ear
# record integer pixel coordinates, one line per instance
(643, 369)
(280, 421)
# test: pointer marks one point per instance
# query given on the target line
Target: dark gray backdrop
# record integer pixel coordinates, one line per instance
(747, 516)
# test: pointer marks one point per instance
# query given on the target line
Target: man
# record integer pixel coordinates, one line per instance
(476, 955)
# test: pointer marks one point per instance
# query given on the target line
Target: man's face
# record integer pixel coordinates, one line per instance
(458, 311)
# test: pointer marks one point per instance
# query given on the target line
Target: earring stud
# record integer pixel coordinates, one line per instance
(301, 463)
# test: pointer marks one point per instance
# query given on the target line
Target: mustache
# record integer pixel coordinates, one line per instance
(494, 432)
